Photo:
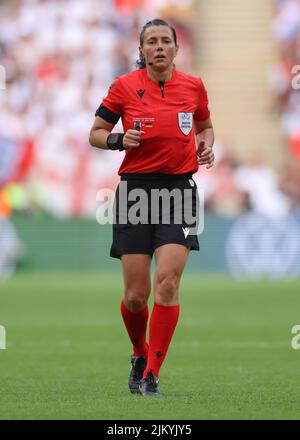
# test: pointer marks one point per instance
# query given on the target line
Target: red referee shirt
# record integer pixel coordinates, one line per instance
(166, 116)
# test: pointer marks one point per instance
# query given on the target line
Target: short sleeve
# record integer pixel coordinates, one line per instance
(202, 112)
(115, 98)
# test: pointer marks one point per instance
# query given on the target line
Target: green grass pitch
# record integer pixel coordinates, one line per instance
(67, 353)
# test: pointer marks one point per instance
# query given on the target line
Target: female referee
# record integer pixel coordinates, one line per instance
(164, 114)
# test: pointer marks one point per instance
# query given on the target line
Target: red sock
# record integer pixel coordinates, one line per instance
(136, 325)
(162, 325)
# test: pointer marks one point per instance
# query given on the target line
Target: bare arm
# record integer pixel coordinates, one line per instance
(205, 132)
(205, 140)
(100, 132)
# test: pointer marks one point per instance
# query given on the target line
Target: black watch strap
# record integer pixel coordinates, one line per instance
(115, 141)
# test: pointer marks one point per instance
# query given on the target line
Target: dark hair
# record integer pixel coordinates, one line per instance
(141, 63)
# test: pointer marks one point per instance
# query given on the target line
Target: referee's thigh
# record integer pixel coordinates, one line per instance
(137, 280)
(170, 263)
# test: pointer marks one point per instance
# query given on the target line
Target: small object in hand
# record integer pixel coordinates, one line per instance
(137, 125)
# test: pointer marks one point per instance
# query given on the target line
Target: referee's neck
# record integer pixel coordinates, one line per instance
(165, 75)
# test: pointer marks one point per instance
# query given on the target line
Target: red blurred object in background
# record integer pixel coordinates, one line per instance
(16, 160)
(26, 161)
(46, 69)
(294, 145)
(5, 206)
(128, 6)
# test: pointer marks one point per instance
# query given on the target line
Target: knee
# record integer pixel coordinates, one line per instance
(167, 288)
(136, 300)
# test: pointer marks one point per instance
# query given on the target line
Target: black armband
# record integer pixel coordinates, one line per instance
(107, 114)
(115, 141)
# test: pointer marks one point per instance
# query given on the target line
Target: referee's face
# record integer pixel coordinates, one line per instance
(159, 48)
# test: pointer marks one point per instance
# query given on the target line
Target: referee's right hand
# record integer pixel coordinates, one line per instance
(132, 138)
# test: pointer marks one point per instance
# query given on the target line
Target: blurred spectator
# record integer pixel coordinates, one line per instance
(10, 246)
(223, 196)
(290, 185)
(261, 183)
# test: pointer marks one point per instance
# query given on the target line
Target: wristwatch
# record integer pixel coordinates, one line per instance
(115, 141)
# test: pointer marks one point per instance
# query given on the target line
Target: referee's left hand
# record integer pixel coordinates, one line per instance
(205, 155)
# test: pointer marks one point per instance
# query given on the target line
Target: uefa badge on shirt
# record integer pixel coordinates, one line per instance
(185, 121)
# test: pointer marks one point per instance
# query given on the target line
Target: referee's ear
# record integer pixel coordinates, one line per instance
(177, 48)
(141, 56)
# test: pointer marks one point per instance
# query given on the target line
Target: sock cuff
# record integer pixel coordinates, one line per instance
(166, 313)
(162, 308)
(125, 310)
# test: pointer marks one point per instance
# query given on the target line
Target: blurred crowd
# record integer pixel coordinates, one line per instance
(285, 83)
(285, 76)
(232, 188)
(60, 56)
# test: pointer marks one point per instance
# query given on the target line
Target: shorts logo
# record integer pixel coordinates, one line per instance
(185, 122)
(186, 231)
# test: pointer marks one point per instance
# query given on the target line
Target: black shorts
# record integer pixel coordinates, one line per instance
(148, 213)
